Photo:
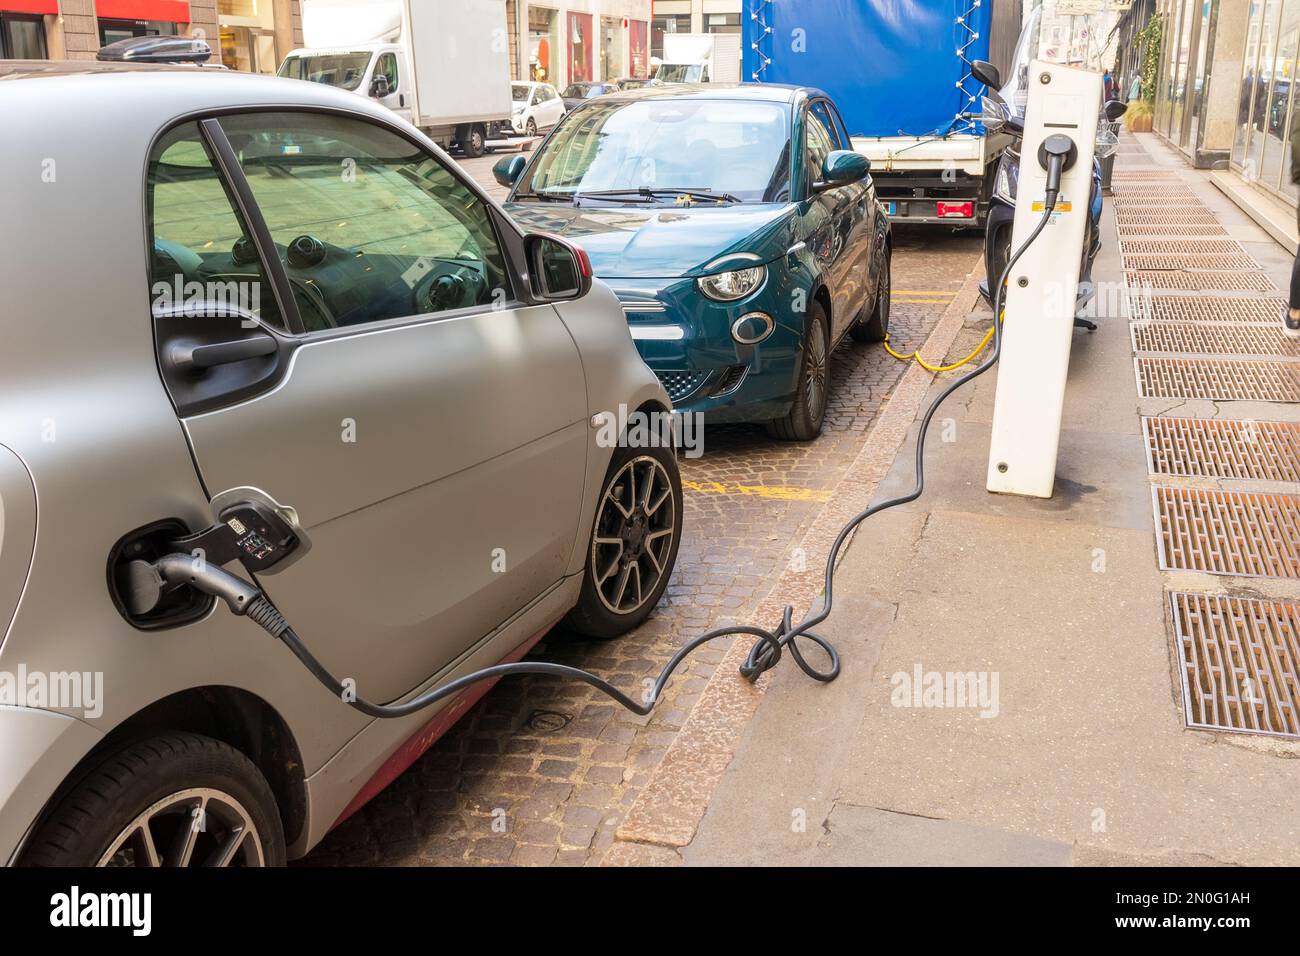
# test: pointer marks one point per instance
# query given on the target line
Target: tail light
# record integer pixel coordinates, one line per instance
(955, 210)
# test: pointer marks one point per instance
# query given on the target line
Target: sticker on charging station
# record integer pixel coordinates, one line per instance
(1062, 205)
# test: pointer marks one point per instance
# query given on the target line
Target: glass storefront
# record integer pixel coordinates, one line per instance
(1261, 149)
(611, 48)
(543, 45)
(247, 35)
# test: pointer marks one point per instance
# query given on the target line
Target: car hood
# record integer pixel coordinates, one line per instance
(666, 242)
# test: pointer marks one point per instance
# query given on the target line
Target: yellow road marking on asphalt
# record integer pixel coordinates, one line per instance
(923, 301)
(777, 492)
(923, 292)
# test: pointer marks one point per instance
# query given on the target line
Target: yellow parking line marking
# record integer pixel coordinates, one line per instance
(923, 301)
(775, 492)
(923, 292)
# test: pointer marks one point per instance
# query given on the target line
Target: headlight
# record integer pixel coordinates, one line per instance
(732, 286)
(1008, 178)
(992, 114)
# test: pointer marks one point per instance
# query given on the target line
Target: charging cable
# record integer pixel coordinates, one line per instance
(1056, 155)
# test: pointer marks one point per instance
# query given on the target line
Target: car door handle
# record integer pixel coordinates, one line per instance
(191, 356)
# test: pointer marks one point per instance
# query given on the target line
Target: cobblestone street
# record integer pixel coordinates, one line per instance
(541, 772)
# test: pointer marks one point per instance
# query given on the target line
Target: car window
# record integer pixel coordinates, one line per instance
(369, 227)
(202, 253)
(818, 144)
(387, 68)
(821, 109)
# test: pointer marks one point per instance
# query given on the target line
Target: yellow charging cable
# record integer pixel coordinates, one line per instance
(988, 337)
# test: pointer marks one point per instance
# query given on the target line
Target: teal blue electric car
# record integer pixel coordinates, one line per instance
(738, 228)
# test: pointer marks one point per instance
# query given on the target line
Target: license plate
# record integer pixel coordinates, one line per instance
(891, 208)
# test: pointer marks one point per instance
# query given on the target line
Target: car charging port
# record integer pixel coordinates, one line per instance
(129, 579)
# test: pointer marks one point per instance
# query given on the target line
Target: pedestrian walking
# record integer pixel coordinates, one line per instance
(1108, 84)
(1135, 89)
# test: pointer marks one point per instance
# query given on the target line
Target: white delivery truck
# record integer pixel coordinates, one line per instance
(444, 65)
(700, 58)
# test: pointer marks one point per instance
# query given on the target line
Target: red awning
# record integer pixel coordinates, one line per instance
(173, 11)
(30, 6)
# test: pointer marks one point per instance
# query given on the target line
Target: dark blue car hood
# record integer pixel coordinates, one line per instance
(662, 242)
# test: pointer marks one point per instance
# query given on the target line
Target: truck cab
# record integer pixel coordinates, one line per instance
(377, 70)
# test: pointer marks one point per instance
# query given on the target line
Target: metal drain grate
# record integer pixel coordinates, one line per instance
(1211, 308)
(1213, 263)
(1136, 174)
(1153, 205)
(1164, 190)
(1223, 448)
(1190, 280)
(1182, 247)
(1211, 339)
(1227, 532)
(1240, 663)
(1146, 217)
(1177, 232)
(1218, 379)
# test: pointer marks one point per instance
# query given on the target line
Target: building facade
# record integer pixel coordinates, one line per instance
(575, 41)
(693, 16)
(249, 35)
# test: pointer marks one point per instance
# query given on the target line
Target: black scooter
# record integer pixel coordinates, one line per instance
(1002, 205)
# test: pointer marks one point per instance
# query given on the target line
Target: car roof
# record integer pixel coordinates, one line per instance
(756, 92)
(145, 95)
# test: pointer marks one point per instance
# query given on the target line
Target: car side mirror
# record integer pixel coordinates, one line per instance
(558, 271)
(379, 86)
(1114, 109)
(986, 73)
(508, 169)
(842, 167)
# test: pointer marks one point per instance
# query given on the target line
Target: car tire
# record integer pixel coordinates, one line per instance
(606, 608)
(804, 420)
(155, 786)
(475, 142)
(875, 326)
(531, 128)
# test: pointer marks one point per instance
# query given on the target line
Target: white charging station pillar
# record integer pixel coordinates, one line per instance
(1041, 291)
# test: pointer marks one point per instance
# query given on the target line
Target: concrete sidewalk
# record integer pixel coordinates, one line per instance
(1083, 755)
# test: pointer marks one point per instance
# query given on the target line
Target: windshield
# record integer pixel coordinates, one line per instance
(519, 92)
(680, 73)
(344, 70)
(723, 146)
(1079, 33)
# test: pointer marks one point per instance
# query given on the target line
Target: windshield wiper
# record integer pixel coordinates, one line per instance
(649, 194)
(545, 196)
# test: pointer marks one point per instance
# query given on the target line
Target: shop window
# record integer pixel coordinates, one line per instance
(110, 31)
(611, 48)
(638, 46)
(1277, 111)
(581, 43)
(22, 37)
(543, 45)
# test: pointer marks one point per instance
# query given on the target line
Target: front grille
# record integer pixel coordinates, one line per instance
(680, 385)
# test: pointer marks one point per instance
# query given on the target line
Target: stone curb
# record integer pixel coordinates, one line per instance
(668, 810)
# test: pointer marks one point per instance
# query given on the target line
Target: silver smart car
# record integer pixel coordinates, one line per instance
(218, 288)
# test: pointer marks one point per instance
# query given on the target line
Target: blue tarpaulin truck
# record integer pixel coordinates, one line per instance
(899, 70)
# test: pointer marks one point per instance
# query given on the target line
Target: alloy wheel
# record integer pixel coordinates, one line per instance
(633, 540)
(195, 827)
(815, 372)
